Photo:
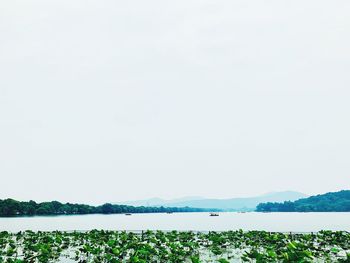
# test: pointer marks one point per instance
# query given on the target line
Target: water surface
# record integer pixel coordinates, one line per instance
(284, 222)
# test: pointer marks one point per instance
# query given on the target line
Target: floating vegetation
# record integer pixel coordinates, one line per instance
(160, 246)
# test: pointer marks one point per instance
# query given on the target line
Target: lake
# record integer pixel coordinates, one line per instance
(283, 222)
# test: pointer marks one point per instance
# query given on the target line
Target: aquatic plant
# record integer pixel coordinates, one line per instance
(174, 246)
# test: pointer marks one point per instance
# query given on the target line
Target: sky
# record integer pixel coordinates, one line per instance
(104, 101)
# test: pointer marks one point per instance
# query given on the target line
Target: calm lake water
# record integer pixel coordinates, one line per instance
(284, 222)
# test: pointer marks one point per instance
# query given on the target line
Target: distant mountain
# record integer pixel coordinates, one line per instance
(232, 204)
(329, 202)
(159, 201)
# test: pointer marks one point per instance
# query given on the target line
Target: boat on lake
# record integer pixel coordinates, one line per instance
(214, 214)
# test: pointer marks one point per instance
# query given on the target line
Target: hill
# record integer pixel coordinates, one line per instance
(231, 204)
(329, 202)
(159, 201)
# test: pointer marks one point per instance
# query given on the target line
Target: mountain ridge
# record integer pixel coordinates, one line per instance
(226, 204)
(327, 202)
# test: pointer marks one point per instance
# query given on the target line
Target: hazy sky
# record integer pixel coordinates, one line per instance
(116, 100)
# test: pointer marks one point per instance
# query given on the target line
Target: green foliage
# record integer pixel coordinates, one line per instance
(329, 202)
(10, 207)
(174, 247)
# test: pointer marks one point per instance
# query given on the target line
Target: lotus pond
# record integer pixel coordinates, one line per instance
(174, 246)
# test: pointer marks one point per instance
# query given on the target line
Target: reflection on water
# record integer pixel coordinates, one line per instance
(284, 222)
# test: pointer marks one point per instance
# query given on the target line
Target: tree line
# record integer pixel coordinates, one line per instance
(11, 207)
(329, 202)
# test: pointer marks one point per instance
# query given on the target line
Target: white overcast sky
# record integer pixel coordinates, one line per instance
(105, 100)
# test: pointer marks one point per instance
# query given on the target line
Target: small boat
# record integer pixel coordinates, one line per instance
(128, 214)
(214, 214)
